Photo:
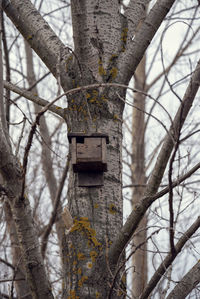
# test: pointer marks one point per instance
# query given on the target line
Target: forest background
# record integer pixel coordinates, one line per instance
(151, 96)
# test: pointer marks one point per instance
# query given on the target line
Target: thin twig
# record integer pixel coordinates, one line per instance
(20, 137)
(171, 210)
(55, 210)
(169, 259)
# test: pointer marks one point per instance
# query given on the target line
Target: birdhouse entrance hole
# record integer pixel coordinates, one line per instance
(89, 157)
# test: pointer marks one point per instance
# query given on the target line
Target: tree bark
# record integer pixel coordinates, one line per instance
(12, 176)
(102, 54)
(97, 211)
(158, 171)
(27, 235)
(47, 162)
(169, 259)
(187, 283)
(21, 284)
(139, 260)
(141, 39)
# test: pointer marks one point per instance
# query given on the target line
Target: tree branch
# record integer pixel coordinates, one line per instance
(135, 14)
(3, 122)
(171, 209)
(169, 259)
(39, 35)
(34, 98)
(187, 283)
(2, 296)
(12, 174)
(55, 210)
(129, 59)
(154, 182)
(7, 263)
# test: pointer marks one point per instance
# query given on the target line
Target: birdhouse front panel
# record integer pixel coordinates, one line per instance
(90, 150)
(88, 154)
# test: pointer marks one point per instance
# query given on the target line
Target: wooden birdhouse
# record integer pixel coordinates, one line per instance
(89, 157)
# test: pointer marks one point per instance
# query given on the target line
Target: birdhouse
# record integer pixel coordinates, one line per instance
(89, 157)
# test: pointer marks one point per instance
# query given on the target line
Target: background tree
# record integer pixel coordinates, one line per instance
(109, 41)
(155, 83)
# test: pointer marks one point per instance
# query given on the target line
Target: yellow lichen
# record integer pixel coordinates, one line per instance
(97, 294)
(103, 98)
(72, 295)
(80, 109)
(102, 71)
(29, 37)
(83, 225)
(79, 271)
(112, 208)
(94, 119)
(119, 293)
(124, 35)
(113, 56)
(74, 267)
(93, 255)
(124, 38)
(80, 256)
(113, 72)
(96, 205)
(115, 117)
(71, 245)
(95, 93)
(82, 280)
(74, 107)
(124, 279)
(84, 112)
(92, 100)
(68, 61)
(89, 265)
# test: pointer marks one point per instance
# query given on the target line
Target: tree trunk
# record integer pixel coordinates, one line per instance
(105, 51)
(47, 161)
(21, 284)
(138, 179)
(97, 214)
(97, 211)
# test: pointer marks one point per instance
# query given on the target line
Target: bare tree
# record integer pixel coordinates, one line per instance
(110, 38)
